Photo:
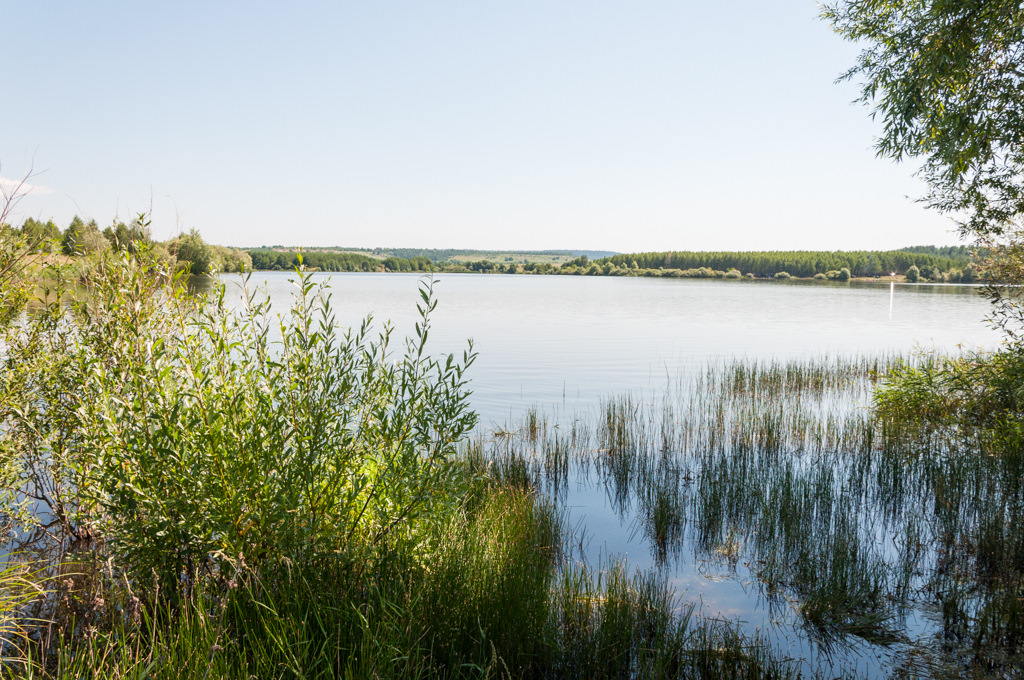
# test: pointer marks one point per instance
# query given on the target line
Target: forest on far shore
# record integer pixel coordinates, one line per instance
(952, 264)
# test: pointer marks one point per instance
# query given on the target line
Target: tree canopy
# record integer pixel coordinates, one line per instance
(945, 78)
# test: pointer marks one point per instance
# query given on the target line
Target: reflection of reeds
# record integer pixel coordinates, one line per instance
(609, 620)
(780, 466)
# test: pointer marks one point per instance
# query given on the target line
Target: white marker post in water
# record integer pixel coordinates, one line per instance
(892, 292)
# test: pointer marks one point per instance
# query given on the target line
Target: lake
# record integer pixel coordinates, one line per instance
(566, 341)
(568, 348)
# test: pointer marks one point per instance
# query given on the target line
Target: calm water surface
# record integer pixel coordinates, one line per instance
(566, 341)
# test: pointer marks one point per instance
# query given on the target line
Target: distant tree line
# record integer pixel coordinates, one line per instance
(919, 263)
(267, 259)
(796, 263)
(964, 254)
(82, 239)
(452, 256)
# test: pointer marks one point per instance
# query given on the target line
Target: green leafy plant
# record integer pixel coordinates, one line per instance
(224, 444)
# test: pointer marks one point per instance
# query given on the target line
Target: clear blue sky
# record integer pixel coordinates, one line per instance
(624, 126)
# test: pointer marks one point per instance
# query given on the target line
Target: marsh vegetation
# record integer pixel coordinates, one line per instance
(880, 525)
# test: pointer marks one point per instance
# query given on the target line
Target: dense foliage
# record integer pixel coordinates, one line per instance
(945, 80)
(962, 254)
(84, 240)
(272, 260)
(301, 440)
(318, 260)
(797, 263)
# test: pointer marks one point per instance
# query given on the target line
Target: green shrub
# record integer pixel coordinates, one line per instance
(782, 275)
(192, 437)
(842, 274)
(193, 254)
(48, 363)
(913, 274)
(975, 390)
(820, 277)
(229, 444)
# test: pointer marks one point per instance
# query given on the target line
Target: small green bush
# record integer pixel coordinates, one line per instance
(783, 275)
(913, 274)
(974, 390)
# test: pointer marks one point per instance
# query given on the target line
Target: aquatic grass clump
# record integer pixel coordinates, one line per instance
(488, 581)
(22, 590)
(613, 625)
(662, 514)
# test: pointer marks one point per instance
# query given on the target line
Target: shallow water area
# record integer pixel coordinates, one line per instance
(655, 489)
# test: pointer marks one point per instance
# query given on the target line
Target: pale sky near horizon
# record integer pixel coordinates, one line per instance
(550, 124)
